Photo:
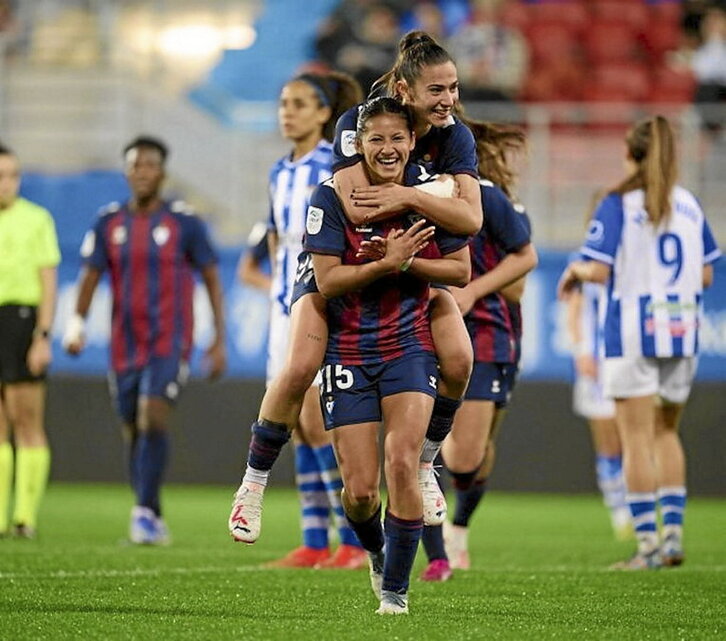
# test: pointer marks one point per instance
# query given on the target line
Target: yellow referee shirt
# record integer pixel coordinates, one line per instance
(27, 243)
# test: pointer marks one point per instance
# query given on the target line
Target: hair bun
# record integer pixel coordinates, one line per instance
(413, 38)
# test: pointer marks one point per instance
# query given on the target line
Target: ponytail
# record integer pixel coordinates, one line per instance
(416, 50)
(651, 145)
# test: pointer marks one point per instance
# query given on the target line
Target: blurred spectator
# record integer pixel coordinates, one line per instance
(361, 41)
(440, 18)
(709, 65)
(492, 59)
(9, 28)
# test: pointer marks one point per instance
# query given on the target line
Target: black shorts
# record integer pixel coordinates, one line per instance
(17, 323)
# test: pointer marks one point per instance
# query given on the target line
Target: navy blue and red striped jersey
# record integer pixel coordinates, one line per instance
(495, 325)
(442, 150)
(150, 260)
(386, 319)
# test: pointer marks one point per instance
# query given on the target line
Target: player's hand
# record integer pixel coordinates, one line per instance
(568, 283)
(464, 299)
(74, 338)
(585, 365)
(383, 199)
(403, 245)
(39, 355)
(373, 249)
(216, 359)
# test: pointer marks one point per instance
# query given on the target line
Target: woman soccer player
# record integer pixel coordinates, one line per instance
(501, 254)
(425, 73)
(309, 106)
(650, 242)
(379, 362)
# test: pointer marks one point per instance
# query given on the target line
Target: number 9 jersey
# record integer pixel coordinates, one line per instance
(656, 282)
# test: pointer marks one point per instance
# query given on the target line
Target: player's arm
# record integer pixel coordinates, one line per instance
(514, 292)
(511, 268)
(335, 279)
(216, 353)
(451, 269)
(579, 271)
(74, 339)
(707, 276)
(250, 273)
(39, 354)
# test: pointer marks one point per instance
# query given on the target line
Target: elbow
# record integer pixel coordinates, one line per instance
(472, 224)
(326, 288)
(532, 258)
(462, 276)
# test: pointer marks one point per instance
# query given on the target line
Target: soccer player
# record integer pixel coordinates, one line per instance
(309, 106)
(650, 242)
(150, 248)
(29, 256)
(379, 363)
(583, 322)
(426, 75)
(501, 255)
(250, 270)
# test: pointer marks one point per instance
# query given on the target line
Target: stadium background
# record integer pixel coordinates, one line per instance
(80, 78)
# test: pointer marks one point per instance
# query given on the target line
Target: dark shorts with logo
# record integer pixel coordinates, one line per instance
(492, 382)
(17, 324)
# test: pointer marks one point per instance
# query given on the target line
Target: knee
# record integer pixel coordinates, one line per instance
(297, 377)
(455, 369)
(361, 496)
(401, 467)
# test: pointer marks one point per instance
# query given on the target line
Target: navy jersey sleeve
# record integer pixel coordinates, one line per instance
(199, 247)
(344, 153)
(257, 242)
(325, 223)
(711, 252)
(605, 230)
(458, 155)
(502, 222)
(93, 247)
(449, 243)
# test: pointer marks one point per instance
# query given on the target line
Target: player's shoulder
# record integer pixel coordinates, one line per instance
(458, 130)
(685, 202)
(109, 210)
(324, 193)
(32, 209)
(493, 195)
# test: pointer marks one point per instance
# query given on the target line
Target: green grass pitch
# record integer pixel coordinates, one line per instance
(539, 572)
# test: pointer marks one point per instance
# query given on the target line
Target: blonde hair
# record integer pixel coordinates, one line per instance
(651, 146)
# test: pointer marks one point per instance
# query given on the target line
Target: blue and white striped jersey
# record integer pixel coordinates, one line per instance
(291, 185)
(655, 287)
(591, 334)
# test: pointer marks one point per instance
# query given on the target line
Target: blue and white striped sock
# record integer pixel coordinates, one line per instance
(642, 509)
(672, 502)
(313, 498)
(330, 474)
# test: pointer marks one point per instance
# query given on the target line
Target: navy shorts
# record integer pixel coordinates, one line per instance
(17, 324)
(351, 394)
(304, 278)
(161, 378)
(492, 382)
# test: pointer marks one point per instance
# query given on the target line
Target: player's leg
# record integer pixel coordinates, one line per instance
(6, 468)
(349, 554)
(279, 413)
(454, 354)
(405, 417)
(676, 380)
(25, 405)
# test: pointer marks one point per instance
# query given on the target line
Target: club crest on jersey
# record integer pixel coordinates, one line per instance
(329, 406)
(347, 143)
(314, 221)
(118, 235)
(595, 232)
(161, 234)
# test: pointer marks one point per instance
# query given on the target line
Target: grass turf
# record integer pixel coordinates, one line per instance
(539, 572)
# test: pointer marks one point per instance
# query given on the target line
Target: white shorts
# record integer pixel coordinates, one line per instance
(588, 399)
(669, 378)
(279, 339)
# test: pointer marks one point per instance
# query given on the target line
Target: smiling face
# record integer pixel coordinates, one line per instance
(9, 179)
(299, 112)
(386, 144)
(433, 94)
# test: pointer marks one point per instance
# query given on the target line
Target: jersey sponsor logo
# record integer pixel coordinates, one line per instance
(329, 405)
(347, 143)
(161, 234)
(88, 244)
(595, 232)
(433, 381)
(118, 236)
(314, 221)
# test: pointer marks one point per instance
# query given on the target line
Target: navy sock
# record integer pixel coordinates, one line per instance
(433, 542)
(369, 532)
(463, 480)
(402, 537)
(467, 502)
(133, 464)
(442, 418)
(267, 441)
(153, 454)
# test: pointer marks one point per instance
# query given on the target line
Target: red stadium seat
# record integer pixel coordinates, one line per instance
(611, 41)
(660, 37)
(560, 80)
(635, 14)
(573, 15)
(550, 41)
(672, 87)
(617, 83)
